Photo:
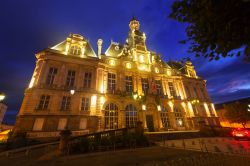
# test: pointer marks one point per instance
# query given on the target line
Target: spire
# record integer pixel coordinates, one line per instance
(133, 18)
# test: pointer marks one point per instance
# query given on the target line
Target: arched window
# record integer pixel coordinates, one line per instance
(178, 117)
(111, 116)
(75, 50)
(164, 117)
(131, 115)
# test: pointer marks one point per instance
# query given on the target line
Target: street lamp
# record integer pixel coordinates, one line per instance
(2, 96)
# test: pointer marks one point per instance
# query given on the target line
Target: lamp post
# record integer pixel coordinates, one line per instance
(2, 97)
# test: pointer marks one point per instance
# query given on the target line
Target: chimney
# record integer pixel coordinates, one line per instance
(99, 44)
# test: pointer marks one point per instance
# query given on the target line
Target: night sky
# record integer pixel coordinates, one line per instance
(29, 26)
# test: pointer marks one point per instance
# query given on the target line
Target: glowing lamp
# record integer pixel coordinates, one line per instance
(135, 96)
(156, 70)
(2, 96)
(112, 62)
(128, 65)
(158, 107)
(143, 107)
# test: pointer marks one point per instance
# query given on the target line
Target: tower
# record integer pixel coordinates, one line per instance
(135, 36)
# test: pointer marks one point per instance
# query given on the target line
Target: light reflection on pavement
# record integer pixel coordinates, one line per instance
(213, 144)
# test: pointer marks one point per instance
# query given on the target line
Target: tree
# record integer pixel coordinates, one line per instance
(216, 28)
(237, 113)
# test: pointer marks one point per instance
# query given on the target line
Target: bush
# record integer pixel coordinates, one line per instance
(16, 140)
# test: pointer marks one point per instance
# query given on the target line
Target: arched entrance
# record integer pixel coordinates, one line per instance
(150, 116)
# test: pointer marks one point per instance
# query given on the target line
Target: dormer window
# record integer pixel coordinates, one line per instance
(75, 50)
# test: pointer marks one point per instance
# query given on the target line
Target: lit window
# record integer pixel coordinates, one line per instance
(70, 78)
(51, 76)
(62, 124)
(75, 50)
(164, 117)
(141, 57)
(111, 82)
(44, 102)
(171, 89)
(178, 117)
(145, 86)
(158, 87)
(65, 106)
(195, 110)
(187, 92)
(111, 116)
(131, 116)
(129, 83)
(196, 93)
(87, 80)
(38, 124)
(85, 104)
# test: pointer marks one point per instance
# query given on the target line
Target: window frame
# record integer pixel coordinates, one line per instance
(43, 102)
(87, 80)
(66, 103)
(51, 76)
(70, 80)
(131, 115)
(129, 83)
(85, 105)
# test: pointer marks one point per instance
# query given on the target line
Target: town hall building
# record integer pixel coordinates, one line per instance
(77, 88)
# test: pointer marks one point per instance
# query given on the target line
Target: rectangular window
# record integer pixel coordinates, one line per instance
(38, 124)
(51, 76)
(158, 87)
(211, 110)
(187, 92)
(75, 50)
(111, 82)
(65, 103)
(145, 86)
(62, 124)
(44, 102)
(196, 93)
(87, 80)
(85, 104)
(203, 93)
(70, 78)
(129, 83)
(171, 89)
(195, 110)
(83, 123)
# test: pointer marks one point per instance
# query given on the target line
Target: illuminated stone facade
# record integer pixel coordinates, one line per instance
(73, 87)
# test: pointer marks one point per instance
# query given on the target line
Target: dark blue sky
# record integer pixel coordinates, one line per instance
(28, 26)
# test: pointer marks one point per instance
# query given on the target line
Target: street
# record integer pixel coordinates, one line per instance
(215, 144)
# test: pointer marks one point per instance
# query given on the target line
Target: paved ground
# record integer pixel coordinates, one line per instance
(168, 152)
(215, 144)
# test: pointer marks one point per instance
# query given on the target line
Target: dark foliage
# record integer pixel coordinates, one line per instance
(237, 113)
(216, 28)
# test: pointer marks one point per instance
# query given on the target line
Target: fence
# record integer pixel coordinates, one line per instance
(46, 147)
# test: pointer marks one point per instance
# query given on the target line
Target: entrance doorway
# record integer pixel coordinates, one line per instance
(150, 123)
